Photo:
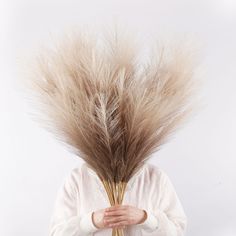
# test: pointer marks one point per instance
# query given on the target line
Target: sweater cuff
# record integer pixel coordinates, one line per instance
(151, 223)
(86, 223)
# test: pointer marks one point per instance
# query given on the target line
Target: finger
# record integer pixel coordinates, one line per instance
(116, 207)
(115, 213)
(111, 207)
(119, 224)
(114, 219)
(121, 227)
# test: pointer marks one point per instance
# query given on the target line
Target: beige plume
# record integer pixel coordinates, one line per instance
(110, 109)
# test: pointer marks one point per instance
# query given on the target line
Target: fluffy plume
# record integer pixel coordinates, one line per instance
(110, 109)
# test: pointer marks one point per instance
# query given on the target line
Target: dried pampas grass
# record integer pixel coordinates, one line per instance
(109, 108)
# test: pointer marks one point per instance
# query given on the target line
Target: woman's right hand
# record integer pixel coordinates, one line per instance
(98, 219)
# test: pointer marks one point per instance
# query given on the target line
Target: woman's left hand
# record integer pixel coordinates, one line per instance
(119, 216)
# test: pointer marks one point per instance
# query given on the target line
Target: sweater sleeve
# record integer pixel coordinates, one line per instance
(169, 219)
(65, 220)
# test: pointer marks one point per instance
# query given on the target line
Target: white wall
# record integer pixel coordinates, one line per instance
(200, 160)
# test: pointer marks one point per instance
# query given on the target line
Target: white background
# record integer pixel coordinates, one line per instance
(200, 160)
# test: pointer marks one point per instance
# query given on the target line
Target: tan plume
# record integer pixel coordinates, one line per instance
(109, 108)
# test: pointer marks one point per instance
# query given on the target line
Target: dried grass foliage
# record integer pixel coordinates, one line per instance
(112, 110)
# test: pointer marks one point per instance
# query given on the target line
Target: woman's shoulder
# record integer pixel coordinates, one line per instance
(156, 172)
(74, 174)
(80, 171)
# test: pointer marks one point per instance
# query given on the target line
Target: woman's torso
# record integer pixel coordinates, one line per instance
(142, 191)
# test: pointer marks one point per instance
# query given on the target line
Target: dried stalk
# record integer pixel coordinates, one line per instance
(115, 192)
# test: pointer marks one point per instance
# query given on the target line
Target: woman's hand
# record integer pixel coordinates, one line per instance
(120, 216)
(97, 218)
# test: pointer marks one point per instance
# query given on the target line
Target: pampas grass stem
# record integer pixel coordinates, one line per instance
(115, 192)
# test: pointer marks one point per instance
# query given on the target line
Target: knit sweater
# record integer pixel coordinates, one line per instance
(149, 189)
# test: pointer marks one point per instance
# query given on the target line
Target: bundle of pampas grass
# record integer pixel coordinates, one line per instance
(110, 109)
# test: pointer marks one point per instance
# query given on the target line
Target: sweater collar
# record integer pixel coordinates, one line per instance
(130, 182)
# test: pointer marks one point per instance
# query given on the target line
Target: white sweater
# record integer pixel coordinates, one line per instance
(150, 189)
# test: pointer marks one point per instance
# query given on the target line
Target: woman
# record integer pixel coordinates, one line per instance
(150, 206)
